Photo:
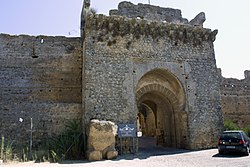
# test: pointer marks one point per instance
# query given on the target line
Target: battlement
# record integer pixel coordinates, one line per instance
(247, 74)
(151, 12)
(121, 26)
(145, 20)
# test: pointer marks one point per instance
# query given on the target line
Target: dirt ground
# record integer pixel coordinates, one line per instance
(159, 158)
(150, 155)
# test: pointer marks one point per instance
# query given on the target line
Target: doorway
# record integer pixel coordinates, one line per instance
(161, 117)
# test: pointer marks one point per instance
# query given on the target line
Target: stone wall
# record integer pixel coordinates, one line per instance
(119, 51)
(235, 96)
(156, 13)
(40, 78)
(99, 76)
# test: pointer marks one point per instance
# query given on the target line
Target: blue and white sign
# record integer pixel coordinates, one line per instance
(126, 130)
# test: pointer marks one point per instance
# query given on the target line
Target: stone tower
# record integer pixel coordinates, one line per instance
(149, 66)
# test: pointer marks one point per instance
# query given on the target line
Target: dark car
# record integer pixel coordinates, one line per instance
(234, 141)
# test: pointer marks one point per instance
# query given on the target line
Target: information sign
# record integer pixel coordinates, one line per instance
(126, 130)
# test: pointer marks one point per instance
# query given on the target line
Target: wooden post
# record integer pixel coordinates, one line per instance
(31, 136)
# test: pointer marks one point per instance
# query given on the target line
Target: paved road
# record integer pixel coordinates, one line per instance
(159, 158)
(150, 155)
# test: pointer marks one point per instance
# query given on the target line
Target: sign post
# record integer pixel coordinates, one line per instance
(127, 130)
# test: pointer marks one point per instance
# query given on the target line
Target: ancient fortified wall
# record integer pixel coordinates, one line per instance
(40, 78)
(144, 64)
(235, 95)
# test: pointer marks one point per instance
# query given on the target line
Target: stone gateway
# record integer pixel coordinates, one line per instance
(155, 69)
(143, 65)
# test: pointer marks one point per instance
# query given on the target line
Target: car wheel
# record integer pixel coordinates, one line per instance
(247, 151)
(221, 152)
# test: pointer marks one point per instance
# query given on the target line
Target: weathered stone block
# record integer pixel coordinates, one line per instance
(101, 137)
(94, 155)
(112, 154)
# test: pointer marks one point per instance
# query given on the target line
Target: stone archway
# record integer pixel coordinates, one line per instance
(161, 101)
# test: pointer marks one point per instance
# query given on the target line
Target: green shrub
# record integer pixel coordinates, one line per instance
(247, 130)
(6, 149)
(69, 144)
(229, 125)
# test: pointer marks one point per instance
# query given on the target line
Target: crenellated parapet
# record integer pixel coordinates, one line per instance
(247, 74)
(238, 87)
(148, 12)
(122, 26)
(156, 13)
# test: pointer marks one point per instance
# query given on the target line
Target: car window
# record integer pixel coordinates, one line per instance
(231, 135)
(245, 136)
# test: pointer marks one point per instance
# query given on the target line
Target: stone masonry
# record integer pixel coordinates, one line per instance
(235, 95)
(40, 78)
(129, 49)
(101, 140)
(143, 65)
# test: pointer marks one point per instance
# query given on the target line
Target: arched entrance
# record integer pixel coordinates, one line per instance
(161, 116)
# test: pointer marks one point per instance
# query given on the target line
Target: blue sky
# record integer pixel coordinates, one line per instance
(62, 17)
